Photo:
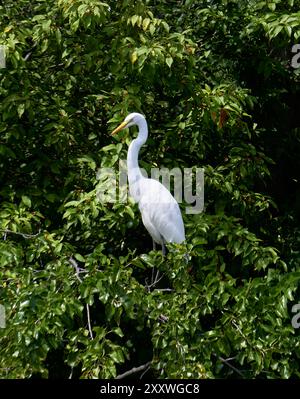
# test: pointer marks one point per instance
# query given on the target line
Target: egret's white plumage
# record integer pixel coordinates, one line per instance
(160, 211)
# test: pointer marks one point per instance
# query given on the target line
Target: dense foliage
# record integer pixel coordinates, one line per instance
(215, 81)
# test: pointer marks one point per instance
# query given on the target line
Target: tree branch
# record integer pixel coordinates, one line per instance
(226, 361)
(89, 321)
(154, 280)
(134, 370)
(24, 235)
(75, 265)
(164, 289)
(28, 55)
(77, 270)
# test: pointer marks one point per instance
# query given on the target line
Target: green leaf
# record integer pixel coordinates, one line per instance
(26, 201)
(272, 6)
(21, 109)
(129, 211)
(134, 19)
(146, 23)
(117, 356)
(277, 30)
(133, 57)
(169, 61)
(118, 331)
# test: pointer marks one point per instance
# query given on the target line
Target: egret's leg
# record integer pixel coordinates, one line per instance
(163, 248)
(155, 272)
(153, 269)
(154, 245)
(157, 277)
(152, 275)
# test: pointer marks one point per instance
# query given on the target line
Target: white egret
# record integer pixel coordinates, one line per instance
(160, 211)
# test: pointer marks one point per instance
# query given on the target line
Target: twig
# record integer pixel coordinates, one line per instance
(75, 265)
(164, 289)
(24, 235)
(225, 361)
(155, 281)
(152, 275)
(144, 372)
(56, 65)
(162, 318)
(77, 270)
(28, 55)
(133, 371)
(239, 330)
(89, 321)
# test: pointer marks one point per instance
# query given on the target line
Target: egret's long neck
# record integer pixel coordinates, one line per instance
(134, 172)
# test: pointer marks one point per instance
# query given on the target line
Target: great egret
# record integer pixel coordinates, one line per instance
(160, 211)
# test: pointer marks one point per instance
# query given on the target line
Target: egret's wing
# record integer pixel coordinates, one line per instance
(160, 212)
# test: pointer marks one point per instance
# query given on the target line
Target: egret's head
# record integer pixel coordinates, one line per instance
(132, 119)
